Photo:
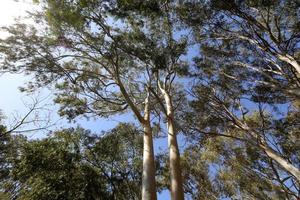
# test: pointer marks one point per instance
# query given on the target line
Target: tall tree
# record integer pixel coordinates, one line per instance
(93, 62)
(164, 54)
(74, 164)
(243, 78)
(107, 57)
(222, 167)
(271, 28)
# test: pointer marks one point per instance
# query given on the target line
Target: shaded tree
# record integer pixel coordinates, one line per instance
(242, 77)
(74, 164)
(115, 56)
(93, 63)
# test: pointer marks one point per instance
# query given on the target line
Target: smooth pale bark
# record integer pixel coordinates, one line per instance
(274, 155)
(148, 177)
(286, 58)
(289, 59)
(174, 154)
(264, 147)
(281, 161)
(148, 182)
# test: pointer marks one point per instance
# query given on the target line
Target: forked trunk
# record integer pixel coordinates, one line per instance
(148, 177)
(175, 167)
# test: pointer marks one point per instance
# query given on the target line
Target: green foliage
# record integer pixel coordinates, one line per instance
(243, 95)
(243, 91)
(232, 173)
(74, 164)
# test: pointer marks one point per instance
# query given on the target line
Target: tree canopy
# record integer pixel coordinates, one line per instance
(224, 75)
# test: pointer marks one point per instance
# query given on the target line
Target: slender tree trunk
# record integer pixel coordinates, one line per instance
(286, 58)
(275, 156)
(175, 168)
(262, 144)
(289, 59)
(290, 168)
(281, 161)
(148, 182)
(148, 177)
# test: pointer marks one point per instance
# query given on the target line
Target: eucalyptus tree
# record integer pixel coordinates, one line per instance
(232, 110)
(106, 57)
(168, 45)
(92, 57)
(246, 71)
(222, 167)
(265, 34)
(270, 28)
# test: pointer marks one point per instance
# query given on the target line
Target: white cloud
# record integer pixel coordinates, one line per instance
(12, 9)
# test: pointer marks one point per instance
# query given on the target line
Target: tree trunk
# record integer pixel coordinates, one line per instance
(148, 182)
(289, 59)
(148, 177)
(276, 157)
(283, 57)
(175, 168)
(281, 161)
